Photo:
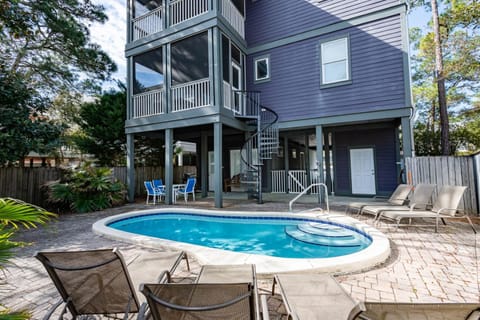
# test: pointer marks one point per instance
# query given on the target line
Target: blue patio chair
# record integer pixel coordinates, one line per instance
(151, 191)
(158, 185)
(189, 188)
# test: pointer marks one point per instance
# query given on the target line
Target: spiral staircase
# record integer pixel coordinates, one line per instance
(262, 141)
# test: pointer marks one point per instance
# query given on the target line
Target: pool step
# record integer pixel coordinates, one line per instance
(335, 232)
(299, 235)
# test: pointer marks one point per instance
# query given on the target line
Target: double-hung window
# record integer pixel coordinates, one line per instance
(335, 61)
(262, 68)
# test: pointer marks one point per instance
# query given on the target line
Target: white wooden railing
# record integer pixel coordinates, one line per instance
(227, 95)
(147, 24)
(234, 17)
(183, 10)
(149, 103)
(297, 181)
(191, 95)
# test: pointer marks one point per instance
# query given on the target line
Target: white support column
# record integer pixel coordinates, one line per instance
(169, 166)
(130, 167)
(319, 138)
(218, 155)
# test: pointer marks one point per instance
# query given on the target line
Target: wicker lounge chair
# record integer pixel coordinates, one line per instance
(99, 282)
(220, 292)
(445, 206)
(398, 197)
(424, 311)
(420, 199)
(315, 297)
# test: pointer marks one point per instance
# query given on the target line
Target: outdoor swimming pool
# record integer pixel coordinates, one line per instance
(273, 241)
(277, 237)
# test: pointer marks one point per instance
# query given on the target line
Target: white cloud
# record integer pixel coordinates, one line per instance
(111, 35)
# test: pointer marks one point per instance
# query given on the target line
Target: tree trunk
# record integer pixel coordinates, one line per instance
(439, 78)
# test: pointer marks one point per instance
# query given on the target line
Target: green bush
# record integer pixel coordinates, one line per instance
(86, 189)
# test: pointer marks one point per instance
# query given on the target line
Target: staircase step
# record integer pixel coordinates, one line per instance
(299, 235)
(326, 232)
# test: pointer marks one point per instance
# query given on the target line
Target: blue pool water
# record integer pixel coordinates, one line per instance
(277, 237)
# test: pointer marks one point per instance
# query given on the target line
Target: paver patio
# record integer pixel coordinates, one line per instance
(423, 267)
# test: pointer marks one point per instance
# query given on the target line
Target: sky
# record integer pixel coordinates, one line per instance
(111, 36)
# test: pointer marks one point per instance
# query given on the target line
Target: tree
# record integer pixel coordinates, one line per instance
(47, 41)
(102, 124)
(23, 125)
(15, 213)
(460, 70)
(440, 80)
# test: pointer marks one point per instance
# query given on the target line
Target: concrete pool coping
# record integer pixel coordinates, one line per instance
(375, 254)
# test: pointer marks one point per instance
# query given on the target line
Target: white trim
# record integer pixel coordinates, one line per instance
(255, 66)
(345, 59)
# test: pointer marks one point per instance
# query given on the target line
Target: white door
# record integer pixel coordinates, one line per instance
(211, 170)
(362, 171)
(237, 85)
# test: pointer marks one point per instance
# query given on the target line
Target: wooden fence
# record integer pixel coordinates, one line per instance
(25, 183)
(460, 171)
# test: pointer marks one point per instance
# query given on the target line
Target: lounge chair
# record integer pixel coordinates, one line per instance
(420, 199)
(424, 311)
(99, 282)
(189, 188)
(152, 192)
(315, 297)
(445, 206)
(219, 292)
(398, 197)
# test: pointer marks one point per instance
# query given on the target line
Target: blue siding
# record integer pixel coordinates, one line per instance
(376, 67)
(383, 141)
(269, 20)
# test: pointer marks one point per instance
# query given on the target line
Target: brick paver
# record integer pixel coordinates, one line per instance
(424, 266)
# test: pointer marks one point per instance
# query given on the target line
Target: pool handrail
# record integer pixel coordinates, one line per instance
(290, 204)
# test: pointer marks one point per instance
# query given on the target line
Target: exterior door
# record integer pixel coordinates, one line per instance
(362, 171)
(236, 85)
(211, 170)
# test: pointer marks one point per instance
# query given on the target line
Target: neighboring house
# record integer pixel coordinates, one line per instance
(309, 83)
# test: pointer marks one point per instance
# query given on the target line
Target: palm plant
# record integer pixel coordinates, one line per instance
(87, 189)
(13, 214)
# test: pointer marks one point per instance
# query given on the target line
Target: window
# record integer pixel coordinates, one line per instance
(335, 61)
(262, 68)
(148, 71)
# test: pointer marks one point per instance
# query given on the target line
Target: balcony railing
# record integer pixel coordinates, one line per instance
(149, 103)
(191, 95)
(183, 10)
(147, 24)
(227, 95)
(234, 17)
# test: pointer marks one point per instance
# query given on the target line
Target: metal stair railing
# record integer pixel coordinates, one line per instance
(290, 204)
(262, 121)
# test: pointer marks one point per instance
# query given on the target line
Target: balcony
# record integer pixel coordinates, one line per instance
(185, 96)
(149, 103)
(184, 10)
(180, 11)
(147, 24)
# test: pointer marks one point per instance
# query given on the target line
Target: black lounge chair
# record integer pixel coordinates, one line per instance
(100, 282)
(220, 292)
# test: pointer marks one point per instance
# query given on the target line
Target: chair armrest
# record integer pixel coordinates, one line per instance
(165, 274)
(264, 307)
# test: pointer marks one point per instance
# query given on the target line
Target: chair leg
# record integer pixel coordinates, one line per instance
(193, 195)
(185, 196)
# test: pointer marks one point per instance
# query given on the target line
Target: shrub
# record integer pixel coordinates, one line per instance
(87, 189)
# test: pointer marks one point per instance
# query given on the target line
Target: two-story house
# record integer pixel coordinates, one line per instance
(283, 92)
